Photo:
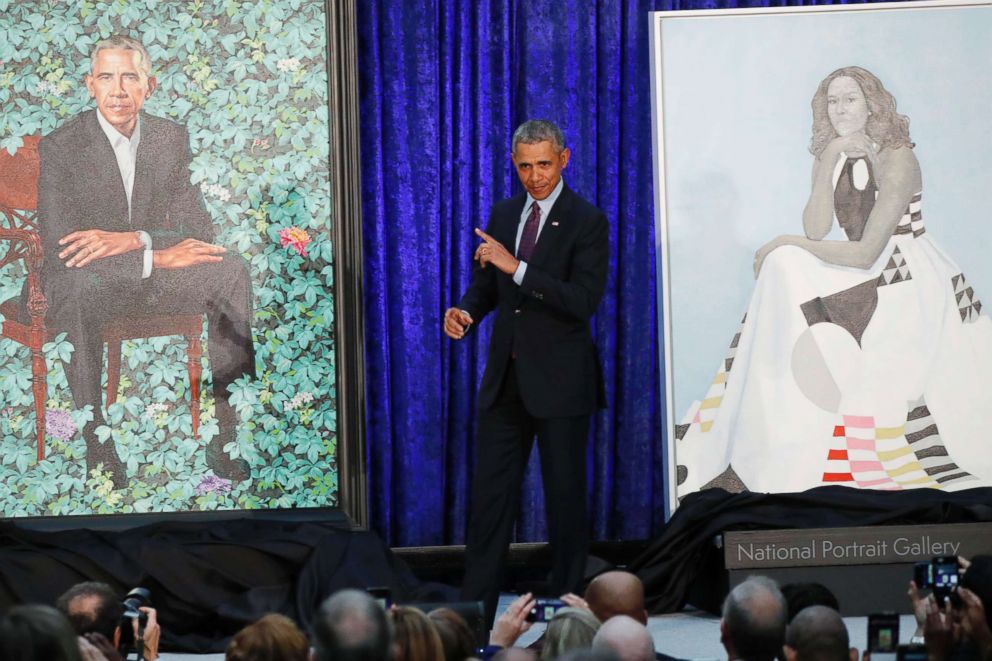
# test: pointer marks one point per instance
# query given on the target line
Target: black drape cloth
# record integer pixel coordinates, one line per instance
(684, 560)
(207, 580)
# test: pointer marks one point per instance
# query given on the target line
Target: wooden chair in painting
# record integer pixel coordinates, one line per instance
(20, 241)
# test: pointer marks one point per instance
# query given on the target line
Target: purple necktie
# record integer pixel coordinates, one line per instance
(529, 237)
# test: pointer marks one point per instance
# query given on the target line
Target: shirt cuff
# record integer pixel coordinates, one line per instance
(146, 262)
(518, 275)
(489, 651)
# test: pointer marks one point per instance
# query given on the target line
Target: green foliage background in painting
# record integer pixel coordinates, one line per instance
(248, 79)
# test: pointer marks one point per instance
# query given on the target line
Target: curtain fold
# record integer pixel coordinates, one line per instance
(443, 83)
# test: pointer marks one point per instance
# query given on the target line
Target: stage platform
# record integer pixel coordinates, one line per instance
(690, 634)
(210, 579)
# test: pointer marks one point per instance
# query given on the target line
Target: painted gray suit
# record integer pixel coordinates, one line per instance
(80, 188)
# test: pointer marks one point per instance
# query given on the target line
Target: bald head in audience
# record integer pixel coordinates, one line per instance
(754, 619)
(817, 633)
(627, 637)
(616, 593)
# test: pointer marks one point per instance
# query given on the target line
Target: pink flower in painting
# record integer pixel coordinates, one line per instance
(295, 237)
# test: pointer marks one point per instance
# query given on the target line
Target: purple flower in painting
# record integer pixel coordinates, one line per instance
(213, 484)
(59, 424)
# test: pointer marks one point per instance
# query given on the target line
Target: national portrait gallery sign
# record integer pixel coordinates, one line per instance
(853, 546)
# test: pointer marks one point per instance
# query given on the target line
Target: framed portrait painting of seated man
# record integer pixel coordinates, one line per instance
(167, 279)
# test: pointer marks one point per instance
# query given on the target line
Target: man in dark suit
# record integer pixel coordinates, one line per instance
(125, 232)
(542, 267)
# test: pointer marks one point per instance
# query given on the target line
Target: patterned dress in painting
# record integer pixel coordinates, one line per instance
(874, 378)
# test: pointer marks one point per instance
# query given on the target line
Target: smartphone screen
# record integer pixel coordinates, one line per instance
(923, 575)
(883, 632)
(544, 610)
(945, 576)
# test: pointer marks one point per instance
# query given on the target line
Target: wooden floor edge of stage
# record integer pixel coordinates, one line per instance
(868, 568)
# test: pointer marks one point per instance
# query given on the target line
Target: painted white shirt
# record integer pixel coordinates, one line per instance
(126, 151)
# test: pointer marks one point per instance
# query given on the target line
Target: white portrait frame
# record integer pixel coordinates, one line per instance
(698, 172)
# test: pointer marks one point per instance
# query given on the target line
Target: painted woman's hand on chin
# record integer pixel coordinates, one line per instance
(855, 145)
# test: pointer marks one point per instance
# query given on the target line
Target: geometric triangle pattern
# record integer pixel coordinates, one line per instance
(912, 219)
(968, 304)
(924, 439)
(909, 456)
(896, 270)
(728, 360)
(704, 413)
(869, 457)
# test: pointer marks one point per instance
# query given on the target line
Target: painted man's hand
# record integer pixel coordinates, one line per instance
(85, 246)
(491, 251)
(188, 252)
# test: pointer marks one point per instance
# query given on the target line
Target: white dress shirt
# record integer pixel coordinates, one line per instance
(545, 207)
(126, 151)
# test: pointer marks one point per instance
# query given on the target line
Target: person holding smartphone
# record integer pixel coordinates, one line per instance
(961, 626)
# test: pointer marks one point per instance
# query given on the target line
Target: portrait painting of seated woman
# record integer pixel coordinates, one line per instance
(864, 356)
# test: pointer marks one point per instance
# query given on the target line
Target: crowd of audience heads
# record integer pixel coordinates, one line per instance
(760, 622)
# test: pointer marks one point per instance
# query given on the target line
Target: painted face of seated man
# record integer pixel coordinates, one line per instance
(126, 234)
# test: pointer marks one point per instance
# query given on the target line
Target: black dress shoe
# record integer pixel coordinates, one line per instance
(103, 456)
(223, 465)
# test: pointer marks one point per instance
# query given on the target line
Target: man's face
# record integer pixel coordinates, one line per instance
(120, 87)
(539, 167)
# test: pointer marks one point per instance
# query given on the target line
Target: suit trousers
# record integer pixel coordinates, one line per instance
(504, 440)
(81, 302)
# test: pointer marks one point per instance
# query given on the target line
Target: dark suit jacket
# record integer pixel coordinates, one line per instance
(545, 321)
(80, 188)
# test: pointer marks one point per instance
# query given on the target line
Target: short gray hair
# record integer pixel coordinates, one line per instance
(121, 42)
(351, 626)
(755, 614)
(534, 131)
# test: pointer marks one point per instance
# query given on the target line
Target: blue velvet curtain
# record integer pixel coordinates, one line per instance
(443, 84)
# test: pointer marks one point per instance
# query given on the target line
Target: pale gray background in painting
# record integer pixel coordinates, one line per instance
(737, 121)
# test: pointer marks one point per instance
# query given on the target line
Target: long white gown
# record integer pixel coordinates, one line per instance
(876, 378)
